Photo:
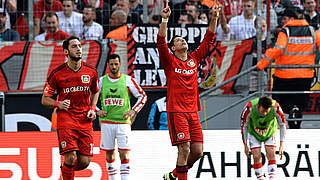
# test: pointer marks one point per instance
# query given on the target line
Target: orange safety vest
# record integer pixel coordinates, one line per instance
(118, 34)
(296, 45)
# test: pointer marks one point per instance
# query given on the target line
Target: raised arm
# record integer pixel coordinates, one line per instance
(165, 14)
(274, 53)
(162, 46)
(223, 20)
(214, 18)
(209, 37)
(11, 6)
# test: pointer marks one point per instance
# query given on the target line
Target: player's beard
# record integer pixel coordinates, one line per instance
(114, 71)
(75, 58)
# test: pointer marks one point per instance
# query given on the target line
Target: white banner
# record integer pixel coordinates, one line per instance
(27, 158)
(152, 155)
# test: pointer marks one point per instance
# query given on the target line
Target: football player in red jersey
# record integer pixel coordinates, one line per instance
(76, 84)
(183, 104)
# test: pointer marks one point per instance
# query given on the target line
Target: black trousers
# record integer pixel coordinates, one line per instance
(287, 101)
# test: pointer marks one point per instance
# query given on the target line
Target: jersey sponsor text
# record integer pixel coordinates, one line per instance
(76, 89)
(113, 102)
(184, 71)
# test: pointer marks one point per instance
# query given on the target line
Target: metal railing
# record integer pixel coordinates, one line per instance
(210, 93)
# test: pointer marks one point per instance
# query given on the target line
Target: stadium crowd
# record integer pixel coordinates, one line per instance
(95, 19)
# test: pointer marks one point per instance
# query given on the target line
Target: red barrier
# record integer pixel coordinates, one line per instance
(35, 155)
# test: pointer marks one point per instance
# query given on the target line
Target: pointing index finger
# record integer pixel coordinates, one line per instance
(167, 3)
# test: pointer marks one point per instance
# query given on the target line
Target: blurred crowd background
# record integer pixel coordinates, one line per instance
(96, 19)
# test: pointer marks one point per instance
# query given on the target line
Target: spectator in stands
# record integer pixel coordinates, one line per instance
(5, 33)
(118, 24)
(185, 18)
(136, 7)
(155, 6)
(157, 119)
(242, 27)
(280, 6)
(40, 8)
(132, 18)
(102, 10)
(310, 13)
(204, 17)
(70, 21)
(91, 30)
(253, 86)
(231, 8)
(194, 11)
(273, 16)
(155, 19)
(52, 33)
(181, 7)
(8, 6)
(297, 3)
(286, 15)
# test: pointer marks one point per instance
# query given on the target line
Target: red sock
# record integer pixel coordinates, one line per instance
(174, 172)
(182, 172)
(67, 172)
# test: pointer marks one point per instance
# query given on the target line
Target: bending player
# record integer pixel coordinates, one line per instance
(259, 122)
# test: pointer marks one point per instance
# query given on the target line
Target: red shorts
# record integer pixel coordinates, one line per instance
(184, 127)
(76, 140)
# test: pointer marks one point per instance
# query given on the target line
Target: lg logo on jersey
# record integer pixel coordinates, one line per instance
(184, 71)
(75, 89)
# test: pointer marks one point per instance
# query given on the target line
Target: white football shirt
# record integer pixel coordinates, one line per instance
(93, 32)
(70, 25)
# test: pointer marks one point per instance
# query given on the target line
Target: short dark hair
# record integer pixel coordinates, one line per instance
(265, 102)
(90, 7)
(50, 14)
(69, 0)
(66, 42)
(113, 56)
(172, 40)
(292, 12)
(189, 16)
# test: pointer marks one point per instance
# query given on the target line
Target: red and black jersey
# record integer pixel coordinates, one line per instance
(182, 76)
(77, 86)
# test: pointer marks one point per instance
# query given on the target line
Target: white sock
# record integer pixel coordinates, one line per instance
(258, 171)
(112, 171)
(272, 167)
(125, 171)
